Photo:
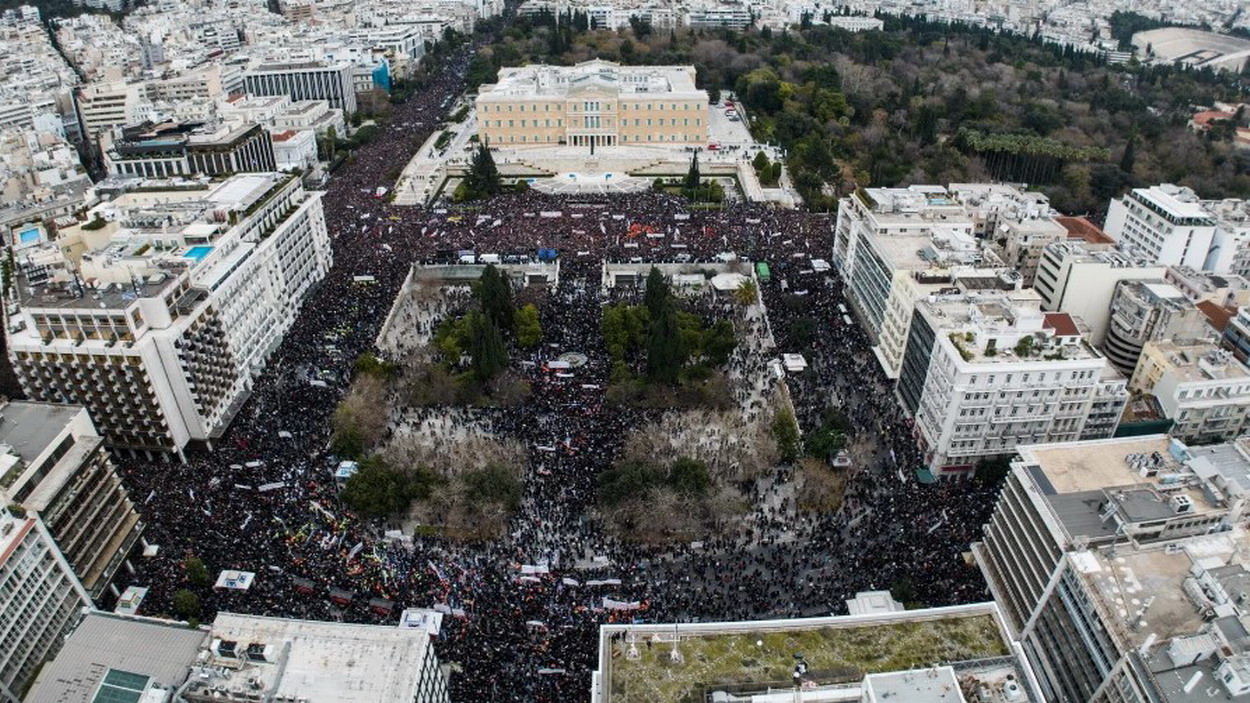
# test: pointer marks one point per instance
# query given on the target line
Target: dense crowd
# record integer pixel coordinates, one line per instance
(530, 634)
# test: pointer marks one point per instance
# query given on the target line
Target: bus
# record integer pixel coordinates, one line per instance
(762, 272)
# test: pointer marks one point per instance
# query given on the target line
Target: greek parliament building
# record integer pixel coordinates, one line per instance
(159, 311)
(595, 103)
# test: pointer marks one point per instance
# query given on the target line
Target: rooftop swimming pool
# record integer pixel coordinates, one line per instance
(198, 253)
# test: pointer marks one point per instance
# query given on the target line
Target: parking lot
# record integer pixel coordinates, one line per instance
(725, 132)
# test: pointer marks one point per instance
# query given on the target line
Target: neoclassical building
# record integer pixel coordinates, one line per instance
(593, 104)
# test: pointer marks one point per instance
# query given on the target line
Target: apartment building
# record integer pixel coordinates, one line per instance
(54, 467)
(987, 371)
(895, 246)
(1116, 565)
(1145, 310)
(1166, 224)
(158, 315)
(1236, 336)
(1080, 279)
(166, 150)
(593, 104)
(308, 79)
(103, 107)
(1202, 388)
(40, 601)
(711, 16)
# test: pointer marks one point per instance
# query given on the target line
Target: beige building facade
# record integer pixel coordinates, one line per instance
(593, 104)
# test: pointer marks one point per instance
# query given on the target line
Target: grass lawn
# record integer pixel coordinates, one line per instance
(834, 655)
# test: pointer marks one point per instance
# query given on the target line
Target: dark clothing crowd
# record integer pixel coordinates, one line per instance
(521, 613)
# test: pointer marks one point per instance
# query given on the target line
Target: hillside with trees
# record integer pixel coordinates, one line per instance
(924, 102)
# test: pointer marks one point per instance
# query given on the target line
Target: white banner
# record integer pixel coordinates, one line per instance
(613, 604)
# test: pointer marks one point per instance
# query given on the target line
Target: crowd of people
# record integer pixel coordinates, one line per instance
(522, 612)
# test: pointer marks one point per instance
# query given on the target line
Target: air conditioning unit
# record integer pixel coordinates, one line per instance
(226, 649)
(1182, 504)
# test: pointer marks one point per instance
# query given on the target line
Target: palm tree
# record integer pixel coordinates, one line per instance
(747, 293)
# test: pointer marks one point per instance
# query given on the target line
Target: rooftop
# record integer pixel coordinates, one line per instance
(1193, 361)
(1177, 201)
(1143, 588)
(160, 651)
(541, 80)
(322, 662)
(1006, 327)
(755, 656)
(29, 428)
(1082, 229)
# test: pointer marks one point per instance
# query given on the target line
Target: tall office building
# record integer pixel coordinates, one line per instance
(1121, 566)
(40, 601)
(304, 80)
(158, 314)
(594, 103)
(985, 372)
(54, 466)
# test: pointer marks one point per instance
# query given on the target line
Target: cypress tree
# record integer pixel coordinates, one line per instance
(495, 295)
(658, 293)
(664, 349)
(1130, 155)
(486, 347)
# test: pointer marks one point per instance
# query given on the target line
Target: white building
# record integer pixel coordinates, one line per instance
(172, 300)
(40, 601)
(300, 660)
(304, 79)
(1230, 248)
(985, 372)
(1080, 279)
(894, 246)
(295, 150)
(1202, 388)
(1166, 224)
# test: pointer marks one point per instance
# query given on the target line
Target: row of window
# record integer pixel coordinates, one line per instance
(549, 139)
(594, 122)
(592, 107)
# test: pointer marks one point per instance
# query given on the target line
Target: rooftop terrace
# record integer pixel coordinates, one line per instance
(757, 656)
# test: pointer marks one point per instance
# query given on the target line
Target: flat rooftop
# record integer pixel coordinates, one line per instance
(1202, 361)
(1072, 467)
(327, 662)
(30, 427)
(1143, 589)
(161, 651)
(751, 656)
(936, 685)
(1173, 200)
